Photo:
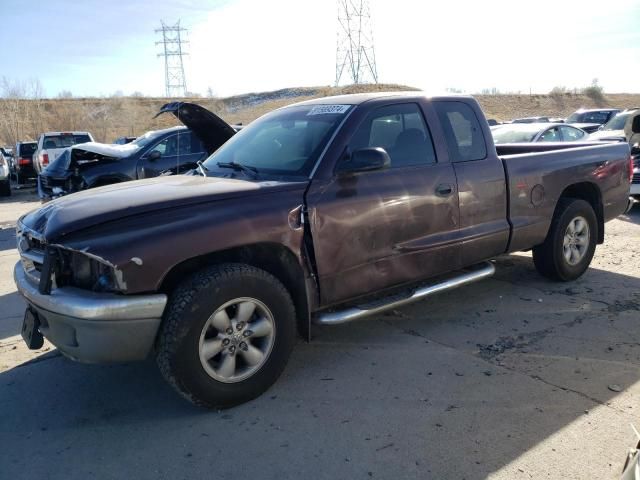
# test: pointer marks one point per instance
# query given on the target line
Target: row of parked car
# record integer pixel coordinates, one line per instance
(583, 125)
(65, 162)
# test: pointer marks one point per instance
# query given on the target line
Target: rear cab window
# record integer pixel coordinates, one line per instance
(26, 149)
(462, 131)
(64, 140)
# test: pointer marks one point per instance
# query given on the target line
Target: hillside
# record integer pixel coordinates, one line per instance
(108, 118)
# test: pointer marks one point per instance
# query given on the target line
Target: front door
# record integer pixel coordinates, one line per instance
(176, 153)
(378, 229)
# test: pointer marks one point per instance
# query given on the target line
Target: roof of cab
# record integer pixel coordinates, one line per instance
(358, 98)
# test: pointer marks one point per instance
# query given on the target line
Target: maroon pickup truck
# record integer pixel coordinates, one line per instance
(321, 212)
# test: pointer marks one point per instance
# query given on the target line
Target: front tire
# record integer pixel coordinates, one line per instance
(227, 334)
(571, 242)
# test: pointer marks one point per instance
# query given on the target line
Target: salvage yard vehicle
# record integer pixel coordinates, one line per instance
(172, 150)
(24, 169)
(590, 120)
(635, 183)
(323, 212)
(536, 132)
(53, 144)
(5, 176)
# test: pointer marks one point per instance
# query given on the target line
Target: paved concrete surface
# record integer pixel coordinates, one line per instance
(504, 379)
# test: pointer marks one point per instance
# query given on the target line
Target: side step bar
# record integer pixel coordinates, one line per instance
(473, 274)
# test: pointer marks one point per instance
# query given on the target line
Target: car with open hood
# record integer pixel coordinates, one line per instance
(171, 150)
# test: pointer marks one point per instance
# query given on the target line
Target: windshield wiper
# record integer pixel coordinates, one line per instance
(239, 168)
(201, 168)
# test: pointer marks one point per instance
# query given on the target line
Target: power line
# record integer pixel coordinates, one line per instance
(175, 81)
(355, 53)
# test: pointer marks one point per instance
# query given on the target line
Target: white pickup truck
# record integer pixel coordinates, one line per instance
(52, 144)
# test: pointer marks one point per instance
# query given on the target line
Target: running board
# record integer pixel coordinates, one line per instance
(473, 274)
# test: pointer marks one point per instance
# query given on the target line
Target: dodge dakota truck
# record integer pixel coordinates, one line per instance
(322, 212)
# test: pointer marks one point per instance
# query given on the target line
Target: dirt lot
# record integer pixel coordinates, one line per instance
(514, 377)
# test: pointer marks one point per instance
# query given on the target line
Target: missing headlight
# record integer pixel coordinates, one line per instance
(82, 271)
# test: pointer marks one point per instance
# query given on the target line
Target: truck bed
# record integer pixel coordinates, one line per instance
(537, 175)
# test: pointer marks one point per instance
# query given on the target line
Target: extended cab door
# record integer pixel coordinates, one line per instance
(377, 229)
(482, 192)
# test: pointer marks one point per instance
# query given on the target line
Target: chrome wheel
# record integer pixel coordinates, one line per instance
(576, 241)
(236, 340)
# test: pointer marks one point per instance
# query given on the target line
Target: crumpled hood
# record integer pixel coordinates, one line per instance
(607, 135)
(96, 206)
(108, 150)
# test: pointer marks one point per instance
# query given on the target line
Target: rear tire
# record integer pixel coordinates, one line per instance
(227, 333)
(571, 242)
(5, 189)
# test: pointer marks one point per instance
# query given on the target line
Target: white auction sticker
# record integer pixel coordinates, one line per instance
(328, 109)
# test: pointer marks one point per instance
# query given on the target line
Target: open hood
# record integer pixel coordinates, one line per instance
(108, 150)
(210, 129)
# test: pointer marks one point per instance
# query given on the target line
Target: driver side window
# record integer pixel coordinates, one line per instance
(166, 147)
(401, 131)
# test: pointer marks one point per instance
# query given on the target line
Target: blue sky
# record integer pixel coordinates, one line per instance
(96, 48)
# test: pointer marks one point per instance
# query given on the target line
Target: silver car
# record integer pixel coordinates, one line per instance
(537, 132)
(5, 182)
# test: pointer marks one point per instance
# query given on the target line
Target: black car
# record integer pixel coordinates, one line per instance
(591, 120)
(23, 161)
(172, 150)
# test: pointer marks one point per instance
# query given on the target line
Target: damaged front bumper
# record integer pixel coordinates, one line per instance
(94, 327)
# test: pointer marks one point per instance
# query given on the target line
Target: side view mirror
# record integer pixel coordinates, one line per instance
(366, 160)
(155, 155)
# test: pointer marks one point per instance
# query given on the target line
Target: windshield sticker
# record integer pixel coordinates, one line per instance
(328, 109)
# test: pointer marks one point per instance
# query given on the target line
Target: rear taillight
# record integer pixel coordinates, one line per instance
(24, 161)
(45, 159)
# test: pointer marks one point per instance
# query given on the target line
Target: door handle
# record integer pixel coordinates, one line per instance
(444, 190)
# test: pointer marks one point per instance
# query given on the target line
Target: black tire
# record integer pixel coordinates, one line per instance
(189, 309)
(549, 257)
(5, 189)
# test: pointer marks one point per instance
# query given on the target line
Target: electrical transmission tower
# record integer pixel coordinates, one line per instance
(174, 79)
(355, 55)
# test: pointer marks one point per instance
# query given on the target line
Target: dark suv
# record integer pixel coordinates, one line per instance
(23, 155)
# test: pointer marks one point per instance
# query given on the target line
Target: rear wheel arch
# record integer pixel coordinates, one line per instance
(273, 258)
(590, 193)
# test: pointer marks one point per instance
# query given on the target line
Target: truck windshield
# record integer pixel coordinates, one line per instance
(286, 142)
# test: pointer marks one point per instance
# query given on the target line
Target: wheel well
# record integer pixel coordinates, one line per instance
(273, 258)
(589, 193)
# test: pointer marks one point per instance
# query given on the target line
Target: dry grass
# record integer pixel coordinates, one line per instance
(108, 118)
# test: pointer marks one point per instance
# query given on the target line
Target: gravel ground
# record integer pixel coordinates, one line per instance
(514, 377)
